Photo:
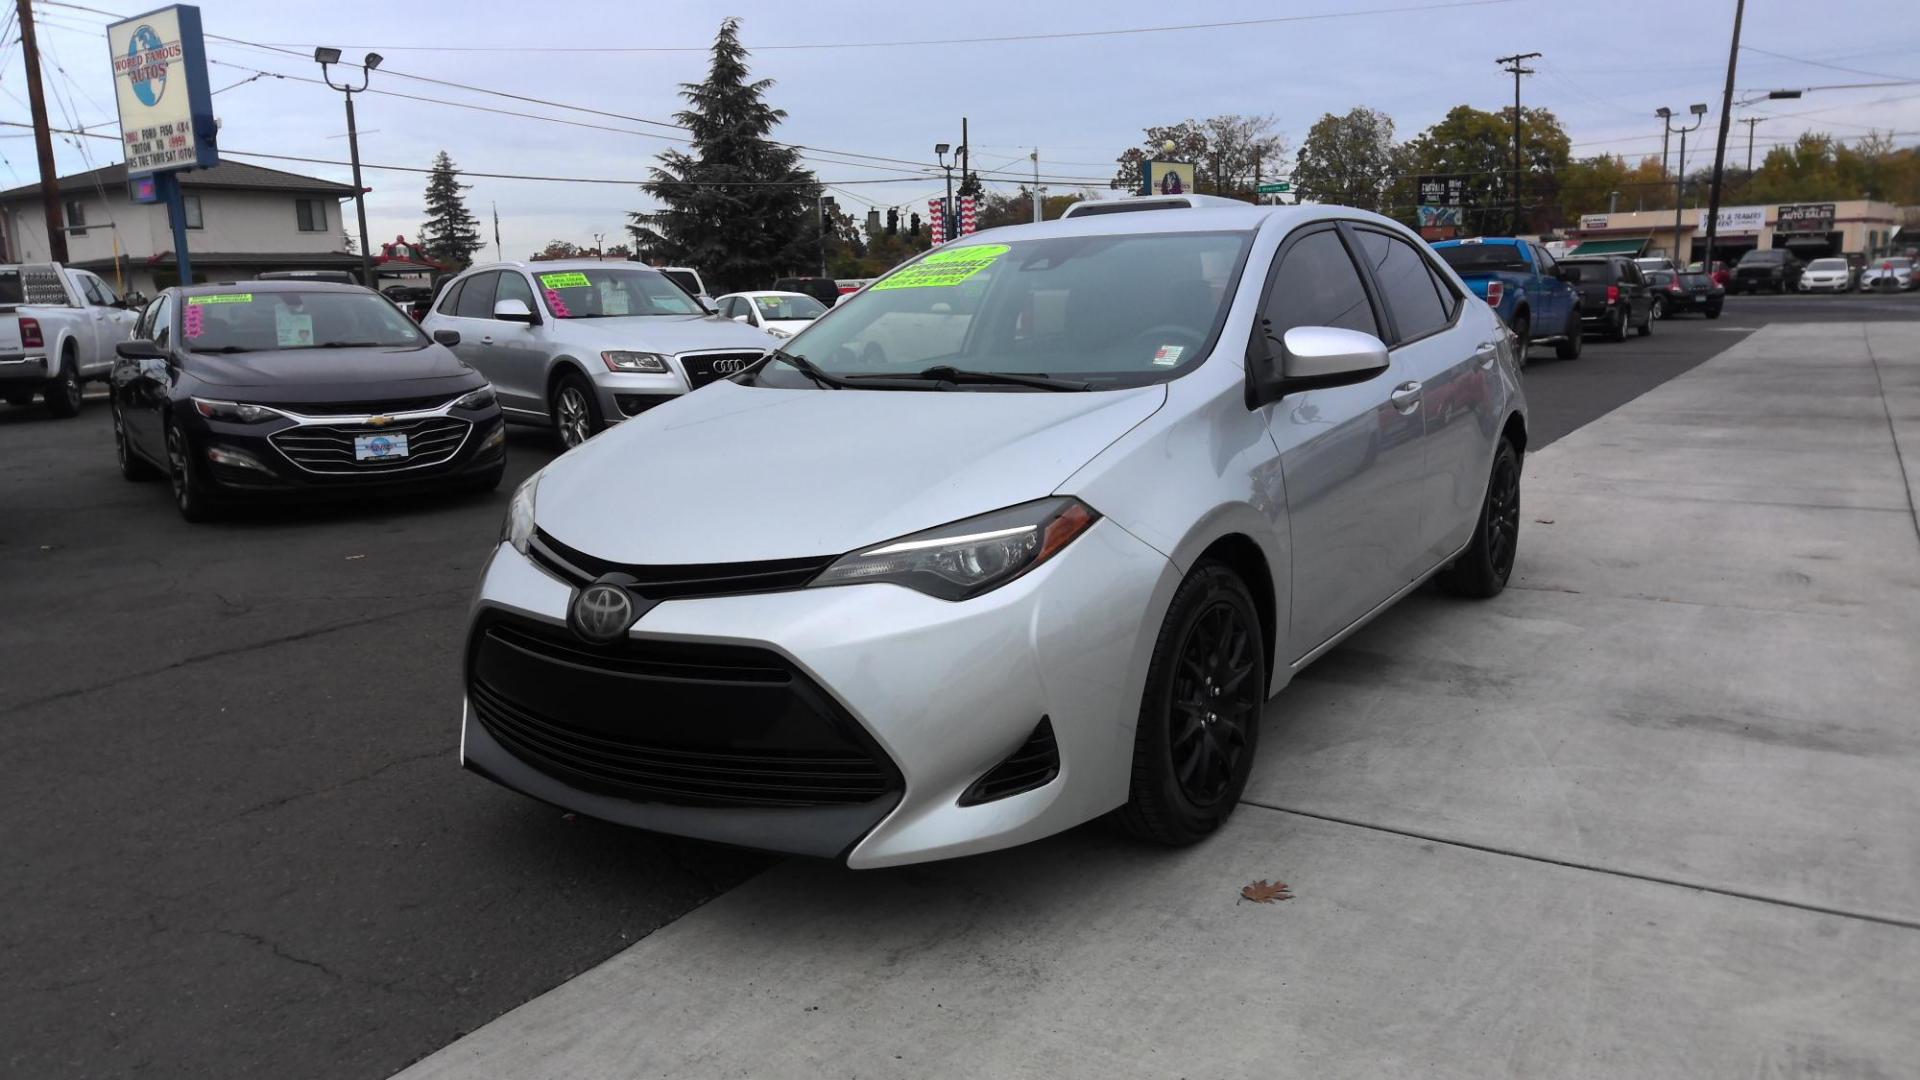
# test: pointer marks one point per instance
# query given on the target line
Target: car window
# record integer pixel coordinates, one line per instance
(1317, 284)
(1404, 284)
(87, 289)
(513, 287)
(450, 302)
(1482, 258)
(1544, 260)
(786, 308)
(160, 324)
(107, 295)
(1630, 273)
(476, 300)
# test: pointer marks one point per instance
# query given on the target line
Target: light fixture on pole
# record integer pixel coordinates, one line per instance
(326, 58)
(946, 208)
(1666, 130)
(1680, 179)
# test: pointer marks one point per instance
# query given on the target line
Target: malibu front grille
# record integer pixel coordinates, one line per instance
(703, 368)
(335, 448)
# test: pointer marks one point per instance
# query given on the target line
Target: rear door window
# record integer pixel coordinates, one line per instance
(1405, 284)
(476, 299)
(449, 303)
(1316, 284)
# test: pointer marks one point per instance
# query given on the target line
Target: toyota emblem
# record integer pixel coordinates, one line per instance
(601, 612)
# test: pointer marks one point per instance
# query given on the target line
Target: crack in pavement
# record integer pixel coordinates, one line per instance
(283, 954)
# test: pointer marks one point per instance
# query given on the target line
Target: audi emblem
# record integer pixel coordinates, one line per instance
(733, 366)
(601, 612)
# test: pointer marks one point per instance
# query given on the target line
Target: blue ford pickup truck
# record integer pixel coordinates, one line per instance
(1523, 284)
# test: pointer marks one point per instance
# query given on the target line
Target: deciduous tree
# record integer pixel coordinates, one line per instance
(1347, 160)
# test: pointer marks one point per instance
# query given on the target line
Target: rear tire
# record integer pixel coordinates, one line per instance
(1200, 716)
(576, 410)
(1523, 330)
(1482, 570)
(1568, 348)
(1658, 310)
(62, 392)
(1617, 330)
(1645, 329)
(1713, 313)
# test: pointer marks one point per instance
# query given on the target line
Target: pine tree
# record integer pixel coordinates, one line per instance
(450, 234)
(740, 207)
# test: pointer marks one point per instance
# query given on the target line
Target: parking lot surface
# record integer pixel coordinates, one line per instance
(239, 844)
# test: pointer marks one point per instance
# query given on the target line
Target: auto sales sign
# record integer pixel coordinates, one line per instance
(160, 85)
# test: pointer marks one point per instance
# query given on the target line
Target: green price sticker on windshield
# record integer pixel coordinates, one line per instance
(574, 280)
(224, 298)
(944, 269)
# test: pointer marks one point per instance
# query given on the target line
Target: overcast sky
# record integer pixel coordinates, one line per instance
(1080, 100)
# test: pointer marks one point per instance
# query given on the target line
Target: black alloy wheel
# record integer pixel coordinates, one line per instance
(132, 465)
(187, 494)
(1617, 330)
(1659, 309)
(1482, 570)
(63, 390)
(1200, 716)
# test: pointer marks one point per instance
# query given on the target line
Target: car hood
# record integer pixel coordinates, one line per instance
(738, 474)
(293, 375)
(659, 333)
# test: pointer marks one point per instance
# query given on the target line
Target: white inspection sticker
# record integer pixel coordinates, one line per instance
(1168, 355)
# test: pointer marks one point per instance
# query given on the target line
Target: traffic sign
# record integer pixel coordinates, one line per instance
(1280, 188)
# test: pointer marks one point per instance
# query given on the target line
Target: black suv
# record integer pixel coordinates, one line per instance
(1613, 295)
(1775, 270)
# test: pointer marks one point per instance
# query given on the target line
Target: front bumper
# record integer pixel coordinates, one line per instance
(267, 461)
(18, 368)
(941, 692)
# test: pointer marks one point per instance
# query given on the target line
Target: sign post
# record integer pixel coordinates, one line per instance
(1280, 188)
(166, 111)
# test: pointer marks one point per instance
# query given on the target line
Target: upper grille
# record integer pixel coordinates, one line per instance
(328, 448)
(670, 722)
(366, 408)
(700, 366)
(677, 581)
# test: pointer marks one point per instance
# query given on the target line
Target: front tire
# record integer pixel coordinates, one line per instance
(1482, 570)
(1200, 717)
(576, 410)
(132, 465)
(189, 491)
(63, 390)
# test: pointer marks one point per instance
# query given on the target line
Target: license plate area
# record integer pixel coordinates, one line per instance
(379, 447)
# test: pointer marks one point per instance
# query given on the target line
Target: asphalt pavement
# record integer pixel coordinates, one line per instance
(237, 842)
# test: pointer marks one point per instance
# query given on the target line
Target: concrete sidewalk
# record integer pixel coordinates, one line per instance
(1653, 812)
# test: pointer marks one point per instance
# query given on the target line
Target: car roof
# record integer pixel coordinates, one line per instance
(269, 286)
(533, 265)
(763, 292)
(1474, 241)
(1239, 217)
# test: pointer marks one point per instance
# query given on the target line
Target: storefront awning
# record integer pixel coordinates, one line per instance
(1610, 247)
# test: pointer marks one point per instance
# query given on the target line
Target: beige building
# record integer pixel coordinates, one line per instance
(1809, 230)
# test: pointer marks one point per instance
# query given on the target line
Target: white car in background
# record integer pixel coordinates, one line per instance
(782, 314)
(1827, 275)
(1887, 275)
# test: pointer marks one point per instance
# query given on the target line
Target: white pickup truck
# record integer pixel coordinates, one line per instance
(58, 327)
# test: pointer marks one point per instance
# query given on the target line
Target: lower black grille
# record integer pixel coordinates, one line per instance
(703, 368)
(1034, 765)
(677, 581)
(670, 722)
(329, 448)
(635, 404)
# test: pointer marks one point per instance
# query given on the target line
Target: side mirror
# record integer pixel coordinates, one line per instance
(449, 338)
(514, 311)
(139, 349)
(1310, 358)
(740, 318)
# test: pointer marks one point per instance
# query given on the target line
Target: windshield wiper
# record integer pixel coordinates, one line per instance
(808, 368)
(949, 374)
(227, 349)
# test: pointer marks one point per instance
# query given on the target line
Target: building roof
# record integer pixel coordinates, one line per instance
(232, 175)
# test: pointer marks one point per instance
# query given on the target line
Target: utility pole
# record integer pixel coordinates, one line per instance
(1514, 65)
(42, 140)
(1750, 122)
(953, 211)
(1038, 201)
(1720, 145)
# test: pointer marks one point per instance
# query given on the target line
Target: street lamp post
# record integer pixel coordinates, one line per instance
(1680, 178)
(946, 208)
(327, 58)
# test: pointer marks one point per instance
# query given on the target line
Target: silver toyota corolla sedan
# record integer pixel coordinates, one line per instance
(1025, 534)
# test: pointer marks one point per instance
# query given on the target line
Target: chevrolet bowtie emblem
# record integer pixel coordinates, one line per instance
(379, 421)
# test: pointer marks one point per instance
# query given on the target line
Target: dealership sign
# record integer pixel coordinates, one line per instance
(1735, 219)
(1442, 191)
(1593, 221)
(1806, 218)
(160, 85)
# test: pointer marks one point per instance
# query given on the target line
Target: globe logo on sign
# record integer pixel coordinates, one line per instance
(380, 446)
(149, 90)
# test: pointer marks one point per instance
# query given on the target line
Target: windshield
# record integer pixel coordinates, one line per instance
(1113, 310)
(1827, 264)
(793, 307)
(294, 319)
(1481, 258)
(1896, 264)
(1752, 257)
(615, 292)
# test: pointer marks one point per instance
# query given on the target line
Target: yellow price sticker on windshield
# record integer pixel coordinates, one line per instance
(223, 298)
(943, 269)
(574, 280)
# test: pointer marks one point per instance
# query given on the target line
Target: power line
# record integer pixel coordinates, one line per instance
(1824, 64)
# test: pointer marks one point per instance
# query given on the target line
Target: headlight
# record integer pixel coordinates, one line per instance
(518, 528)
(234, 411)
(779, 333)
(967, 558)
(644, 362)
(476, 399)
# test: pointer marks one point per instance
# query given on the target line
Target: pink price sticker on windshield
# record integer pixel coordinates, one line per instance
(192, 321)
(558, 305)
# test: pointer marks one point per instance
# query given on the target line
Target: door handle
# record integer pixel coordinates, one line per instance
(1486, 353)
(1406, 396)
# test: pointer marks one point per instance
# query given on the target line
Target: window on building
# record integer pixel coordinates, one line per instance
(191, 204)
(76, 216)
(311, 214)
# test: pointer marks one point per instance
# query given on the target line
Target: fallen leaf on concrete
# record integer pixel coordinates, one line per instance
(1265, 892)
(1543, 521)
(350, 558)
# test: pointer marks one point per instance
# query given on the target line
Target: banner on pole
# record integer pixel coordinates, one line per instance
(937, 220)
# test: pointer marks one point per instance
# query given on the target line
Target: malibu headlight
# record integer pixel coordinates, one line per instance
(644, 363)
(236, 412)
(517, 529)
(476, 399)
(967, 558)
